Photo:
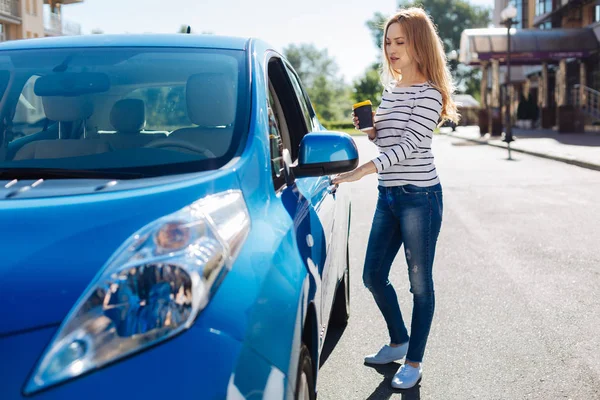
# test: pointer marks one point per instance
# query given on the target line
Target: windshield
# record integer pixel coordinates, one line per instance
(122, 111)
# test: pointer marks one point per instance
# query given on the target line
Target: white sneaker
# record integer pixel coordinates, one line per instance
(388, 354)
(407, 377)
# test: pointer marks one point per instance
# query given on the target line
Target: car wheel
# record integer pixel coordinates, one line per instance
(305, 382)
(341, 305)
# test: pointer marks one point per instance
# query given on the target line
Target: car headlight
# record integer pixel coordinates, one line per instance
(152, 288)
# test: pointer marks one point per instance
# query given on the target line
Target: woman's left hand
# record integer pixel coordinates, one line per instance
(363, 170)
(347, 177)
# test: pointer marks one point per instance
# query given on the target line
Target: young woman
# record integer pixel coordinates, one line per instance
(416, 98)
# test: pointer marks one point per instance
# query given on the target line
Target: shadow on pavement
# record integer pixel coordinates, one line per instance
(331, 340)
(587, 139)
(466, 144)
(385, 390)
(574, 139)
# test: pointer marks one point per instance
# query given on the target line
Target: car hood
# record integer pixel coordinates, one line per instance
(52, 247)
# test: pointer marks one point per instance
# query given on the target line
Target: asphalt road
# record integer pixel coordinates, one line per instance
(517, 277)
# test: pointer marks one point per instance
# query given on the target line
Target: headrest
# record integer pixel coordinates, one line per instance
(61, 149)
(128, 116)
(211, 99)
(67, 109)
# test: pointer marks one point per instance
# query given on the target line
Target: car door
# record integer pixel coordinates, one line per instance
(322, 196)
(309, 201)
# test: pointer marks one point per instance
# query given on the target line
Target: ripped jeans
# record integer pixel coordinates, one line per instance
(412, 216)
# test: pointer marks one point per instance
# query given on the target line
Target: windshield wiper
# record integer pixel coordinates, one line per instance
(60, 173)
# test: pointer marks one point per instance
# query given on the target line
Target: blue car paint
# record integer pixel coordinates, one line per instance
(55, 241)
(258, 314)
(178, 368)
(294, 264)
(145, 40)
(330, 149)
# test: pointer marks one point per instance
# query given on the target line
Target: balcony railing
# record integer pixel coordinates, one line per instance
(587, 99)
(10, 8)
(71, 28)
(54, 25)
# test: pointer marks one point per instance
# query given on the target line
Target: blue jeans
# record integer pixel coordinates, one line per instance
(412, 216)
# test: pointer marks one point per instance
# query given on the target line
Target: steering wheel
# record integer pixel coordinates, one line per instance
(182, 144)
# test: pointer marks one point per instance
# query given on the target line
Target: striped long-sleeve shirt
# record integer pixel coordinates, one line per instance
(404, 123)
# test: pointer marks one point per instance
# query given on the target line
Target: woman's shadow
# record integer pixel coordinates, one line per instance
(385, 390)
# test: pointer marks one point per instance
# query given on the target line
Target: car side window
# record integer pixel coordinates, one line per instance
(294, 122)
(305, 104)
(275, 144)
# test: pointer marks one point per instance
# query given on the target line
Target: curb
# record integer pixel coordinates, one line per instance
(567, 160)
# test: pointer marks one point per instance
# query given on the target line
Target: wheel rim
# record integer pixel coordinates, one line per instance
(303, 389)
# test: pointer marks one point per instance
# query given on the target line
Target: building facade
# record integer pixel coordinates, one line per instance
(25, 19)
(555, 58)
(525, 12)
(551, 14)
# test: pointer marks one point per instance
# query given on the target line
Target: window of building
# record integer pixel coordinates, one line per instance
(522, 7)
(36, 35)
(542, 7)
(35, 7)
(2, 34)
(28, 6)
(29, 36)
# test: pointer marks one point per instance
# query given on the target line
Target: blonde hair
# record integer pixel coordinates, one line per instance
(427, 49)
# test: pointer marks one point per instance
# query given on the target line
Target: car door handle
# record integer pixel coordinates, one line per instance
(331, 189)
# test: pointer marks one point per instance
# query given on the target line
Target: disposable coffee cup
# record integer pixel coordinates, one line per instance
(364, 113)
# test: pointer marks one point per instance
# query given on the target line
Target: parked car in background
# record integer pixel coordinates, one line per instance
(167, 219)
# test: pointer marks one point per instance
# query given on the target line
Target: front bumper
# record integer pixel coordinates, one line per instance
(197, 364)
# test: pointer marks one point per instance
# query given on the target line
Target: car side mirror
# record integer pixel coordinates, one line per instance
(325, 153)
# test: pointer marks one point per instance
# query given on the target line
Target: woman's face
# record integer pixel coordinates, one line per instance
(396, 47)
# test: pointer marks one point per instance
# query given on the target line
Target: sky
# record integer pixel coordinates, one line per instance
(335, 25)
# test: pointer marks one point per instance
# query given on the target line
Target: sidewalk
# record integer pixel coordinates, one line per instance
(581, 149)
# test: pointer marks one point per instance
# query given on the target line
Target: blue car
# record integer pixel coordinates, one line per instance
(168, 224)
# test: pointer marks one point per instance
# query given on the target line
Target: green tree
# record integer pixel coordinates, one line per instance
(319, 74)
(368, 87)
(310, 62)
(452, 17)
(376, 25)
(184, 29)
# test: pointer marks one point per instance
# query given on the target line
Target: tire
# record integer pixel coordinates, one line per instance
(340, 312)
(305, 381)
